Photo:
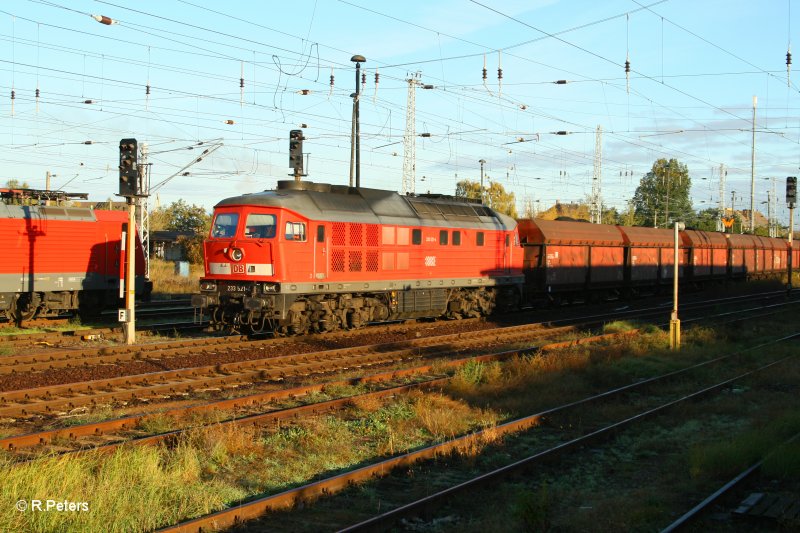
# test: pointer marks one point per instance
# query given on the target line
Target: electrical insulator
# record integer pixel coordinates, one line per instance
(87, 142)
(560, 82)
(304, 92)
(523, 107)
(13, 94)
(500, 74)
(484, 74)
(88, 102)
(128, 167)
(147, 90)
(102, 19)
(230, 122)
(363, 81)
(37, 93)
(241, 83)
(627, 74)
(788, 66)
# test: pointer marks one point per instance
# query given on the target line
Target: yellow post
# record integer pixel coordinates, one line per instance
(674, 323)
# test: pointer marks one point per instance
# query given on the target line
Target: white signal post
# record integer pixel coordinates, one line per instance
(674, 323)
(130, 275)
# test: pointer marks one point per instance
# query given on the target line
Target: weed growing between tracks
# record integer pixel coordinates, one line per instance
(142, 488)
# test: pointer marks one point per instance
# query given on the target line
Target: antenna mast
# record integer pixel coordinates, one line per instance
(409, 137)
(721, 207)
(596, 207)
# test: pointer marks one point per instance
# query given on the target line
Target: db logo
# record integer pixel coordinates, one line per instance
(237, 268)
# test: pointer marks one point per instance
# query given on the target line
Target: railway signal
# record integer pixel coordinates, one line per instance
(128, 167)
(296, 153)
(791, 200)
(129, 188)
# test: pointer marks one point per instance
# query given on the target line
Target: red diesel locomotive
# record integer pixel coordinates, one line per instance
(317, 257)
(59, 260)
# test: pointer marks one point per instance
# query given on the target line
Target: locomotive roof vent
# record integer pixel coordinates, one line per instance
(292, 185)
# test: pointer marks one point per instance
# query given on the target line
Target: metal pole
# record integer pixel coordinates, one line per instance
(358, 125)
(482, 161)
(674, 323)
(130, 277)
(791, 247)
(753, 171)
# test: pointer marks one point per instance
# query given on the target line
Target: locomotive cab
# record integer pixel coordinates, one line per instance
(248, 249)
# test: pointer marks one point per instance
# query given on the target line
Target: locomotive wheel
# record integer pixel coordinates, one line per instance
(22, 308)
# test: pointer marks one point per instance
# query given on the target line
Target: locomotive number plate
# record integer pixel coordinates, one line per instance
(237, 288)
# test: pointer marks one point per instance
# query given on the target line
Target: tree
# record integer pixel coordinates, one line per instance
(662, 196)
(185, 218)
(706, 220)
(495, 196)
(180, 216)
(16, 184)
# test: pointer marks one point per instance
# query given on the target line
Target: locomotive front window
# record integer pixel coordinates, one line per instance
(295, 231)
(225, 225)
(260, 226)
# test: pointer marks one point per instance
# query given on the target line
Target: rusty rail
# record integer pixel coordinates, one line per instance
(312, 491)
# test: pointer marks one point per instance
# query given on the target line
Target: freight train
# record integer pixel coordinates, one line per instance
(312, 257)
(60, 260)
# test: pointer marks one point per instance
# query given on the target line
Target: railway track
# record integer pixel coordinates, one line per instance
(250, 409)
(166, 309)
(297, 497)
(89, 355)
(55, 399)
(101, 430)
(50, 399)
(692, 515)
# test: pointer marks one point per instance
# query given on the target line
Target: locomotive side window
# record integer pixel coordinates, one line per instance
(443, 237)
(260, 226)
(479, 238)
(320, 233)
(225, 225)
(416, 236)
(456, 238)
(295, 231)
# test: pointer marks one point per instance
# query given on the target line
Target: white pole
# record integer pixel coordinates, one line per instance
(130, 277)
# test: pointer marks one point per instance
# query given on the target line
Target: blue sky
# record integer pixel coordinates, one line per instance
(695, 67)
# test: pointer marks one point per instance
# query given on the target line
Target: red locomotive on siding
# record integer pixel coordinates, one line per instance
(60, 259)
(315, 257)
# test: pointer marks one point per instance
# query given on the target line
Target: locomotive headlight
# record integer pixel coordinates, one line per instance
(208, 286)
(271, 287)
(237, 254)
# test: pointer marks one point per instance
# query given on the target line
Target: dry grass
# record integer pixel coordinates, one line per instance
(144, 488)
(165, 281)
